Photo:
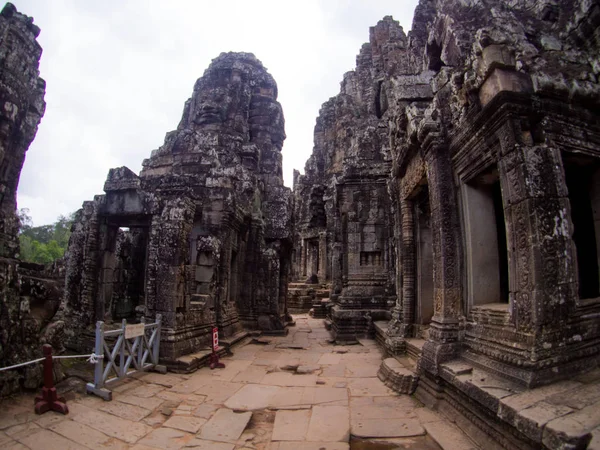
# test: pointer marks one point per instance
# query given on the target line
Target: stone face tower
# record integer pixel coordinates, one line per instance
(208, 219)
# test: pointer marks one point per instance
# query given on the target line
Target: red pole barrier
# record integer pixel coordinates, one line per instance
(49, 400)
(214, 362)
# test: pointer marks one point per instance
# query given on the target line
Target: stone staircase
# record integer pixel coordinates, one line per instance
(302, 297)
(399, 371)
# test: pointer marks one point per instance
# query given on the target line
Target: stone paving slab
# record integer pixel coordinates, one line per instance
(164, 380)
(367, 387)
(219, 391)
(449, 437)
(150, 403)
(308, 446)
(252, 374)
(360, 369)
(368, 408)
(330, 359)
(116, 427)
(291, 425)
(19, 431)
(329, 424)
(384, 428)
(14, 445)
(49, 418)
(201, 444)
(231, 370)
(338, 370)
(4, 438)
(146, 390)
(185, 423)
(288, 379)
(165, 438)
(125, 411)
(204, 411)
(225, 426)
(251, 397)
(87, 436)
(48, 440)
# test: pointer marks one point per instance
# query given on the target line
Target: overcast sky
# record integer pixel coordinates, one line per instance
(118, 73)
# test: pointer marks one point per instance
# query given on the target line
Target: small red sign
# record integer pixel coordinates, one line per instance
(215, 339)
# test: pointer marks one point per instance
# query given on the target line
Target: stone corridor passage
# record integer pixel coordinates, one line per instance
(298, 392)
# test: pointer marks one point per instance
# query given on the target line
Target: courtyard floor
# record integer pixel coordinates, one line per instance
(297, 392)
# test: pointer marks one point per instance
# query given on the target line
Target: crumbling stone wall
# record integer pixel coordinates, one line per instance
(29, 293)
(212, 217)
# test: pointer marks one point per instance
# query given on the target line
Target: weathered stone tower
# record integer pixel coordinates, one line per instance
(22, 107)
(203, 234)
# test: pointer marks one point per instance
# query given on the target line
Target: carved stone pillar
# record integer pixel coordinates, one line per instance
(408, 265)
(541, 253)
(303, 250)
(444, 330)
(168, 251)
(322, 274)
(336, 270)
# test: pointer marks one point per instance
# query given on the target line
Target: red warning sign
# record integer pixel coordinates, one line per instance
(215, 339)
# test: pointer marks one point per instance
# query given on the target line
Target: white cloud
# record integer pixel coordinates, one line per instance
(118, 74)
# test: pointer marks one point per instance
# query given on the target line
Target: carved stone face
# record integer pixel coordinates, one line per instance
(219, 98)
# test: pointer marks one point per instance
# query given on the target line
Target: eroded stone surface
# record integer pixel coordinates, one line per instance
(329, 424)
(291, 425)
(225, 426)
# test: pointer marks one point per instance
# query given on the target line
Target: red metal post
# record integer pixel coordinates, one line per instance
(214, 357)
(49, 400)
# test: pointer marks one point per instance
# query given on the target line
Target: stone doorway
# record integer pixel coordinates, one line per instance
(486, 244)
(122, 275)
(424, 259)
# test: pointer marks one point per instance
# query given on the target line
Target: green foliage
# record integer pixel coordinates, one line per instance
(45, 243)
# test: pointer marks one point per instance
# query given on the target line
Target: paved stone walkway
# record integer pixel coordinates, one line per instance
(297, 392)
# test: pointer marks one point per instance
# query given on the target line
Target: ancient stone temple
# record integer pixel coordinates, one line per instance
(203, 234)
(27, 300)
(344, 226)
(457, 172)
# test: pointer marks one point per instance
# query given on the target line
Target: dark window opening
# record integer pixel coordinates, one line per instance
(502, 244)
(580, 174)
(434, 53)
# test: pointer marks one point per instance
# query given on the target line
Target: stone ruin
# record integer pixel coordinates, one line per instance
(203, 234)
(30, 294)
(450, 208)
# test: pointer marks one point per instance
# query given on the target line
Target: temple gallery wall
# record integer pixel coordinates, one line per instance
(450, 209)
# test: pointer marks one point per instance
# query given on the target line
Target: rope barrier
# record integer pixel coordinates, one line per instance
(92, 358)
(22, 364)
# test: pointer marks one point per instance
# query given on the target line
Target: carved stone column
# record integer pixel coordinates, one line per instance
(303, 250)
(408, 266)
(444, 329)
(541, 253)
(167, 254)
(322, 257)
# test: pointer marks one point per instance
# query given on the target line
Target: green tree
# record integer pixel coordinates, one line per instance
(45, 243)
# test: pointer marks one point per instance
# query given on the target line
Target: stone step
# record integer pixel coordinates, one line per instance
(397, 376)
(414, 347)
